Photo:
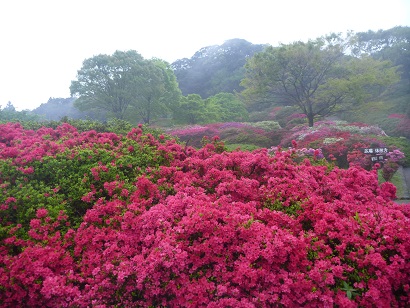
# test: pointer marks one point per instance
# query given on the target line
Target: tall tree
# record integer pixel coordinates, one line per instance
(124, 85)
(160, 95)
(192, 109)
(316, 76)
(230, 107)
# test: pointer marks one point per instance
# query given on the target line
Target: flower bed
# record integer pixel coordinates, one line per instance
(98, 219)
(262, 134)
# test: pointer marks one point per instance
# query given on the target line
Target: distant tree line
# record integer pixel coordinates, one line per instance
(237, 80)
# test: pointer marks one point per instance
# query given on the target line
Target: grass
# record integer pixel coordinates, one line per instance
(399, 181)
(241, 146)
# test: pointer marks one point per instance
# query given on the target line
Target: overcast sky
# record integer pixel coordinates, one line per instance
(44, 42)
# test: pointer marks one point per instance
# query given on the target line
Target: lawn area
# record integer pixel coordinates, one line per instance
(400, 182)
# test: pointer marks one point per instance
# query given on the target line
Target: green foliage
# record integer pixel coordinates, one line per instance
(112, 125)
(241, 146)
(392, 44)
(379, 112)
(283, 113)
(278, 205)
(398, 181)
(243, 136)
(193, 109)
(60, 183)
(266, 125)
(350, 291)
(10, 114)
(230, 107)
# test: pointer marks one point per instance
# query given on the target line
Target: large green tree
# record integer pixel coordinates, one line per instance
(124, 85)
(192, 109)
(159, 94)
(230, 107)
(316, 76)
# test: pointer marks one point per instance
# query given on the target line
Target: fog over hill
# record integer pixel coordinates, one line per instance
(215, 69)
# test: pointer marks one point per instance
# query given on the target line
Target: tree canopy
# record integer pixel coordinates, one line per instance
(193, 109)
(125, 85)
(222, 107)
(392, 44)
(316, 76)
(9, 113)
(231, 108)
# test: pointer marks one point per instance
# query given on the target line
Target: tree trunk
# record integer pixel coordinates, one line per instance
(310, 119)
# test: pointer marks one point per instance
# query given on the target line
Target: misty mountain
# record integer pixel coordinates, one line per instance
(57, 108)
(215, 69)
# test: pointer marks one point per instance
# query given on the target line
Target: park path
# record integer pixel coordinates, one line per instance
(406, 174)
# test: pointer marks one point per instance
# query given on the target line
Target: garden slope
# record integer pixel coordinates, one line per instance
(102, 220)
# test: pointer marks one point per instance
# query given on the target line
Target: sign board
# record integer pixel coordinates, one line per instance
(377, 154)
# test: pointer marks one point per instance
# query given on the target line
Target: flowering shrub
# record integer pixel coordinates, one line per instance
(300, 154)
(263, 133)
(396, 116)
(391, 164)
(102, 220)
(340, 141)
(329, 130)
(403, 127)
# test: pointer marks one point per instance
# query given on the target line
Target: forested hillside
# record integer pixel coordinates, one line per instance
(215, 69)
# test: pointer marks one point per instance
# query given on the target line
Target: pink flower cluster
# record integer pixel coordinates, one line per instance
(396, 116)
(207, 228)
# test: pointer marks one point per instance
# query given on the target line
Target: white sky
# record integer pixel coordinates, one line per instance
(44, 42)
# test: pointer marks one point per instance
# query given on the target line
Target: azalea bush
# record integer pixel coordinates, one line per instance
(344, 144)
(101, 220)
(262, 133)
(340, 141)
(403, 127)
(391, 164)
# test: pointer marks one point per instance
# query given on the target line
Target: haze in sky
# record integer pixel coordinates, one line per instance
(44, 42)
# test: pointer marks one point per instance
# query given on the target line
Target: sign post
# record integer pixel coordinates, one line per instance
(378, 155)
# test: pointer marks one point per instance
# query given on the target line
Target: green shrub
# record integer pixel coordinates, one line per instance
(241, 146)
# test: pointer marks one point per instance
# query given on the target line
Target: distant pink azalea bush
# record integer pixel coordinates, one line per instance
(403, 127)
(231, 132)
(396, 116)
(338, 140)
(103, 220)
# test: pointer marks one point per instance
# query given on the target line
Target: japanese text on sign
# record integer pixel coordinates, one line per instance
(375, 151)
(377, 158)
